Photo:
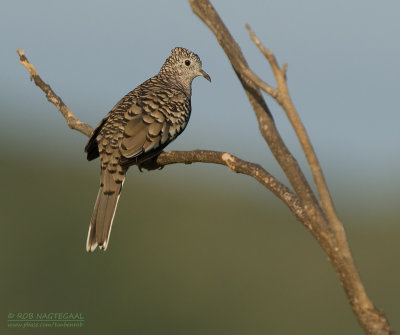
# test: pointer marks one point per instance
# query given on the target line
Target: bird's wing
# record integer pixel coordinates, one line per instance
(152, 126)
(123, 104)
(142, 134)
(146, 130)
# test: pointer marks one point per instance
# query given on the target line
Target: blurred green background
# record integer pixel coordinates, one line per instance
(197, 249)
(194, 250)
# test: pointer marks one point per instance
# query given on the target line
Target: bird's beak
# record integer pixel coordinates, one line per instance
(205, 75)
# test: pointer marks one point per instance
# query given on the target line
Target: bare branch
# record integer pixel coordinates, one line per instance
(279, 73)
(272, 91)
(239, 166)
(326, 227)
(268, 130)
(72, 121)
(281, 95)
(283, 98)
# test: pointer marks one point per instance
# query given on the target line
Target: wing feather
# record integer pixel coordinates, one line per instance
(140, 136)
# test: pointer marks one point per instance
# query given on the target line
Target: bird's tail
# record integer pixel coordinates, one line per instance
(104, 211)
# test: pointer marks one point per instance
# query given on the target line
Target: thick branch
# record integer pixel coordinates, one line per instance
(72, 121)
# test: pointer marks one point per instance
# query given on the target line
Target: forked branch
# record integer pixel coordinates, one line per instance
(282, 97)
(326, 227)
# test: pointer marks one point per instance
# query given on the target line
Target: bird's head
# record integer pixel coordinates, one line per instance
(185, 64)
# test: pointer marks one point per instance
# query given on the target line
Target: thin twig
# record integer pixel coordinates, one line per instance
(72, 121)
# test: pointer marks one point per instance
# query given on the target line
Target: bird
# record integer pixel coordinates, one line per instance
(136, 130)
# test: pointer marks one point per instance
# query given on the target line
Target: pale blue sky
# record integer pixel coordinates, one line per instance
(343, 74)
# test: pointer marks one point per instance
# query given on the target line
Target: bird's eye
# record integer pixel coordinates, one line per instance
(187, 62)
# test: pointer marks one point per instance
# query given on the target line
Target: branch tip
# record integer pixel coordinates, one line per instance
(24, 61)
(72, 121)
(284, 70)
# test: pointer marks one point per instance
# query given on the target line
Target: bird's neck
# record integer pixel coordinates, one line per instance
(182, 83)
